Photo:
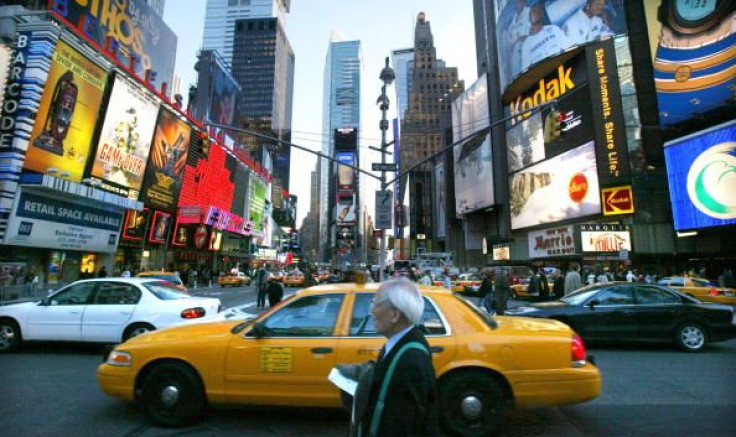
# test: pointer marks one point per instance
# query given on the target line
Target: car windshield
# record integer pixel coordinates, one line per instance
(580, 295)
(170, 278)
(164, 290)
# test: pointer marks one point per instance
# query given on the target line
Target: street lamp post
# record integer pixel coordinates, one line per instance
(387, 77)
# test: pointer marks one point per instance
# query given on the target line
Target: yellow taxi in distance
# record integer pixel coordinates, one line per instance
(521, 290)
(701, 289)
(165, 276)
(294, 279)
(238, 279)
(468, 284)
(283, 357)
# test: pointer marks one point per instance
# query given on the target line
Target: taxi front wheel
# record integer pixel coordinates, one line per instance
(173, 395)
(472, 404)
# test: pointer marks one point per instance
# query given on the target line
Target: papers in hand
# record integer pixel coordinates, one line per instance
(342, 382)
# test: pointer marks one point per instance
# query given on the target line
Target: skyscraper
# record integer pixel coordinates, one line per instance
(340, 133)
(221, 15)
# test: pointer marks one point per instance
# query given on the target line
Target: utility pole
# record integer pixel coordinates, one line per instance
(387, 77)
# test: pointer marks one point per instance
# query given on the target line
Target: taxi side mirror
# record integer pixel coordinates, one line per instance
(259, 331)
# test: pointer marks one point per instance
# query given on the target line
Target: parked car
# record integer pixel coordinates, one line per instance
(238, 279)
(701, 289)
(292, 348)
(105, 310)
(638, 312)
(166, 276)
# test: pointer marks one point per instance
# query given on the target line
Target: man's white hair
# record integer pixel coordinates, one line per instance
(403, 295)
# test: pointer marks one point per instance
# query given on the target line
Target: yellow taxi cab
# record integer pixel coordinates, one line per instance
(283, 357)
(521, 289)
(238, 279)
(294, 279)
(468, 284)
(701, 289)
(166, 276)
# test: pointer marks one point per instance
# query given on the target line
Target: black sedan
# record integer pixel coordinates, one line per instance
(638, 312)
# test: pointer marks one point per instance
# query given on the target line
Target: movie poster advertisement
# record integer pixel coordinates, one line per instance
(159, 227)
(560, 188)
(530, 31)
(129, 30)
(125, 140)
(166, 162)
(134, 227)
(692, 45)
(62, 135)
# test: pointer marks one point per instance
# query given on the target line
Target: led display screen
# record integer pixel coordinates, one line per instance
(345, 174)
(701, 171)
(560, 188)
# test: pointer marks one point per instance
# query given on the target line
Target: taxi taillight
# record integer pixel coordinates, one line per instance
(193, 313)
(577, 347)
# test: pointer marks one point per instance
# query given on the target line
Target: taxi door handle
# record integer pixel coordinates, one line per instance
(321, 350)
(436, 349)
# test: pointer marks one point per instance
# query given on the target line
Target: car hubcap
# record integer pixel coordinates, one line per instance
(6, 336)
(169, 395)
(138, 331)
(692, 337)
(471, 407)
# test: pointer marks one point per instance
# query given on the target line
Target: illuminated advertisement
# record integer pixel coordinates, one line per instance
(559, 188)
(692, 46)
(528, 32)
(501, 252)
(159, 227)
(345, 209)
(701, 171)
(219, 91)
(129, 30)
(125, 140)
(201, 236)
(552, 242)
(440, 197)
(166, 162)
(5, 56)
(62, 135)
(257, 204)
(602, 238)
(134, 227)
(345, 174)
(472, 158)
(182, 235)
(50, 222)
(346, 139)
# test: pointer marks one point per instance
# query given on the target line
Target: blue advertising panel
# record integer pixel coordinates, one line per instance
(701, 170)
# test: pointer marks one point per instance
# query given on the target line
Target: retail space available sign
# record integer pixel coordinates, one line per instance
(604, 238)
(41, 221)
(552, 242)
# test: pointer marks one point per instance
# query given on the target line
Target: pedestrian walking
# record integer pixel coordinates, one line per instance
(573, 281)
(486, 290)
(543, 286)
(275, 292)
(558, 287)
(263, 275)
(102, 273)
(501, 291)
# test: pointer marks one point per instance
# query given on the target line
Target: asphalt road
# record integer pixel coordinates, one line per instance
(51, 390)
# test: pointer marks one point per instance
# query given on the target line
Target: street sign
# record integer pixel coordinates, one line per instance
(378, 166)
(384, 202)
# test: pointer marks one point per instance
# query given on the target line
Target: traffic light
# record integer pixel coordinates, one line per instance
(552, 126)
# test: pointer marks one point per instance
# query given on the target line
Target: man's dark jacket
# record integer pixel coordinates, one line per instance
(411, 400)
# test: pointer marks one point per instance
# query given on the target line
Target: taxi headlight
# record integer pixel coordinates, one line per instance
(119, 358)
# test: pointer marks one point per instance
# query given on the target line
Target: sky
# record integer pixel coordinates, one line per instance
(380, 25)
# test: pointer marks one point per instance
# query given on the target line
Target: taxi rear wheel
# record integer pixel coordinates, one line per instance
(173, 395)
(472, 404)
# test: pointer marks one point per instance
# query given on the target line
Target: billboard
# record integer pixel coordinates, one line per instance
(440, 197)
(690, 44)
(530, 31)
(604, 238)
(135, 223)
(257, 204)
(125, 140)
(5, 56)
(472, 158)
(159, 227)
(345, 174)
(553, 242)
(127, 29)
(62, 135)
(166, 162)
(346, 138)
(218, 93)
(51, 222)
(701, 171)
(345, 210)
(560, 188)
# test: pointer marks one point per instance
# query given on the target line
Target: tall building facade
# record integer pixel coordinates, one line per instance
(263, 65)
(221, 15)
(433, 86)
(157, 6)
(402, 61)
(340, 133)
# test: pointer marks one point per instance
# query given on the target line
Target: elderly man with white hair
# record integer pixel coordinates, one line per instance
(402, 399)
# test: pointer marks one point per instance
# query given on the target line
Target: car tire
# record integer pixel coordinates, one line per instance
(10, 336)
(472, 404)
(137, 329)
(691, 337)
(173, 395)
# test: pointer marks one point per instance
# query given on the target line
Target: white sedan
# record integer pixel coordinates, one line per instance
(107, 310)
